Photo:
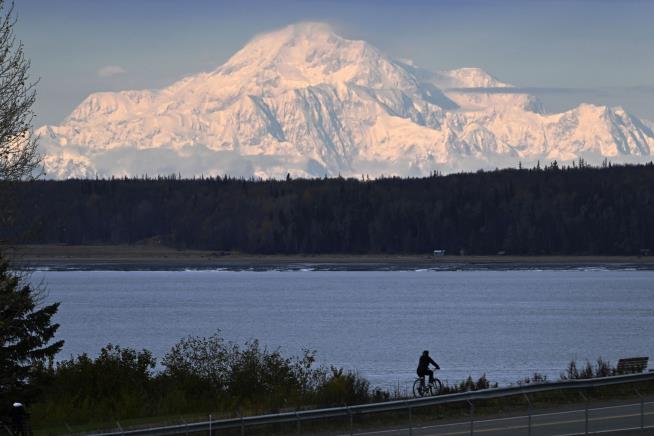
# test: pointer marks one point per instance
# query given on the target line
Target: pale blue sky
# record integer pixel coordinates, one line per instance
(568, 51)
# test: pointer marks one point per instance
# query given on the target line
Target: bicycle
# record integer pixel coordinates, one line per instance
(420, 389)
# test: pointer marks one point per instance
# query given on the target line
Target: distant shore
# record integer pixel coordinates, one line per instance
(151, 257)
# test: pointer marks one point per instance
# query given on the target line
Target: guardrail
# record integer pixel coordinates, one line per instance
(388, 406)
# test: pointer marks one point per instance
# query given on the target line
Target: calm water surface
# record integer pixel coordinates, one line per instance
(506, 324)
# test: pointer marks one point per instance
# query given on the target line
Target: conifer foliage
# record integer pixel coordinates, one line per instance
(26, 331)
(541, 211)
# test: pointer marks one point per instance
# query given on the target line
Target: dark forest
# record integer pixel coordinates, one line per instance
(541, 211)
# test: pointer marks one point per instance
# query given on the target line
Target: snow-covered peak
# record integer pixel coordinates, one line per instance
(119, 105)
(473, 89)
(305, 101)
(270, 44)
(469, 78)
(309, 54)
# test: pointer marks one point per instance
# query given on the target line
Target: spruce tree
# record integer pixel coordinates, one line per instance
(26, 332)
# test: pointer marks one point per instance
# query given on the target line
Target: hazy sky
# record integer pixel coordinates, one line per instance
(600, 51)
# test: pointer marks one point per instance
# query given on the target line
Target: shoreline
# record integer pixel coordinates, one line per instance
(149, 257)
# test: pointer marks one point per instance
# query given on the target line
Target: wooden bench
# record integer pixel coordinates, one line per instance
(632, 365)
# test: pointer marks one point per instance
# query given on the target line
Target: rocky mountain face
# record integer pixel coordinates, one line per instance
(305, 101)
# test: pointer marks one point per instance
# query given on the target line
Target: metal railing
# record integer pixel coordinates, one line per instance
(389, 406)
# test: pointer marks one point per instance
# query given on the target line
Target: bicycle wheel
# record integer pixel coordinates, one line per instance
(436, 387)
(418, 389)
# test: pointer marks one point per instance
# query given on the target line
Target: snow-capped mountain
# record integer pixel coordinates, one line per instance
(305, 101)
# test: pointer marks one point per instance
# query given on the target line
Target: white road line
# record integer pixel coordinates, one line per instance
(608, 431)
(566, 412)
(544, 424)
(515, 427)
(590, 409)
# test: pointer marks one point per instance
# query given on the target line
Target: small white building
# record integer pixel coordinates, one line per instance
(439, 252)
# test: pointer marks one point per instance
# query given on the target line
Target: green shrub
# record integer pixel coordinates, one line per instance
(345, 389)
(198, 375)
(116, 383)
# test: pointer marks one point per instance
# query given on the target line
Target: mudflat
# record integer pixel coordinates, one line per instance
(153, 257)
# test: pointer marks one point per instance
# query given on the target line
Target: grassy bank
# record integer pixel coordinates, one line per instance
(210, 376)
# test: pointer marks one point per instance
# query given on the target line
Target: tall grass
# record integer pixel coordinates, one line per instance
(601, 368)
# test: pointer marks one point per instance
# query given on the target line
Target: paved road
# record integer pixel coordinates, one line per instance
(570, 422)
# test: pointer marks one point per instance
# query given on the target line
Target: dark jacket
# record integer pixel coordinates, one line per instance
(423, 363)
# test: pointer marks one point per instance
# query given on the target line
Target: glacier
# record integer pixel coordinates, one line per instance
(306, 102)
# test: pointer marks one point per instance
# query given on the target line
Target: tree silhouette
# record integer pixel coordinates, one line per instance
(19, 157)
(26, 329)
(26, 332)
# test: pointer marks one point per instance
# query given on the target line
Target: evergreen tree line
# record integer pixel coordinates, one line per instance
(578, 210)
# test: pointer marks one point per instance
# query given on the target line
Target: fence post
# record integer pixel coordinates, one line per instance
(529, 407)
(120, 429)
(299, 424)
(410, 422)
(242, 426)
(642, 410)
(472, 417)
(349, 412)
(586, 412)
(210, 425)
(185, 424)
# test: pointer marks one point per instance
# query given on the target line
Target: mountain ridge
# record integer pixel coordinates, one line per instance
(304, 101)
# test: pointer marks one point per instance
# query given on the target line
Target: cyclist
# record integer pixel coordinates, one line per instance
(423, 367)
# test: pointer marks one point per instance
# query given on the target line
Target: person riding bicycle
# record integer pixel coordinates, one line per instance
(423, 366)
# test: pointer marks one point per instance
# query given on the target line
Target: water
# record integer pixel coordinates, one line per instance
(506, 324)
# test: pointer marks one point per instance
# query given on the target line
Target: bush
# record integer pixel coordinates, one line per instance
(198, 375)
(248, 377)
(115, 384)
(345, 389)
